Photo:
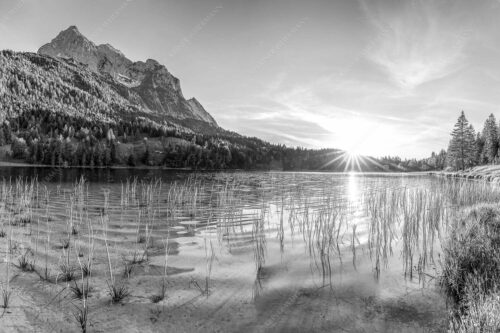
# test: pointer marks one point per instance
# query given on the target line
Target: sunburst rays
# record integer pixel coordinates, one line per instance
(353, 162)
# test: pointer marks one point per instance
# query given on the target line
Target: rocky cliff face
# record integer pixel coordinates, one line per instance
(148, 84)
(199, 110)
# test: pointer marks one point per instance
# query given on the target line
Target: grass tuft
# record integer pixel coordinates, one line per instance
(82, 317)
(79, 291)
(6, 294)
(117, 292)
(25, 264)
(67, 272)
(86, 268)
(64, 243)
(161, 295)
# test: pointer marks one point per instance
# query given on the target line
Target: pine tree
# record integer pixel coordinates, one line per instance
(2, 137)
(479, 148)
(470, 137)
(490, 137)
(131, 160)
(113, 155)
(461, 150)
(442, 159)
(146, 158)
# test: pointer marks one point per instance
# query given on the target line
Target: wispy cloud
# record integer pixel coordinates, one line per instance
(417, 41)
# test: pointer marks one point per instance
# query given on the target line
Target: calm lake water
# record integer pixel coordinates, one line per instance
(291, 251)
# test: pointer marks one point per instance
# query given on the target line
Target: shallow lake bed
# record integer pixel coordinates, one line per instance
(243, 251)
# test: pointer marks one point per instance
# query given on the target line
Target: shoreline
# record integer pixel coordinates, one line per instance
(14, 163)
(489, 173)
(471, 268)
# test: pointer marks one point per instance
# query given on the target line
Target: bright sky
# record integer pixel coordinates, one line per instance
(371, 76)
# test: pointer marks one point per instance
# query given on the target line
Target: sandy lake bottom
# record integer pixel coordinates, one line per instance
(237, 252)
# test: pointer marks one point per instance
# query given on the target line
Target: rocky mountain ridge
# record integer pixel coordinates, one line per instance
(147, 84)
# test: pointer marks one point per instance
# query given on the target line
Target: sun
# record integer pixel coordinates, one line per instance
(353, 161)
(359, 136)
(353, 153)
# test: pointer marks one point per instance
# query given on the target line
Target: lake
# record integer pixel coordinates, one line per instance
(240, 251)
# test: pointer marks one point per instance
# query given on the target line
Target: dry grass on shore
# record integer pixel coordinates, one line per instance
(471, 270)
(486, 172)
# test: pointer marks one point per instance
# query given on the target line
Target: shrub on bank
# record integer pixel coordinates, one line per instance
(483, 316)
(471, 270)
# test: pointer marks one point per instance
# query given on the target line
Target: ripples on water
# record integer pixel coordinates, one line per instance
(363, 246)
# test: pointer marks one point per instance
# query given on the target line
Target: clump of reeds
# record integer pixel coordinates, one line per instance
(163, 286)
(162, 293)
(25, 264)
(67, 273)
(209, 259)
(118, 292)
(79, 291)
(6, 294)
(130, 263)
(204, 288)
(86, 269)
(141, 239)
(127, 270)
(6, 291)
(82, 317)
(65, 242)
(23, 221)
(471, 269)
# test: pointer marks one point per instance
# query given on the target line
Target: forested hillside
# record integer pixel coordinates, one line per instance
(58, 112)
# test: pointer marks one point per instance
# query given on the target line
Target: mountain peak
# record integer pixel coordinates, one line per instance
(153, 86)
(72, 28)
(71, 33)
(70, 43)
(152, 62)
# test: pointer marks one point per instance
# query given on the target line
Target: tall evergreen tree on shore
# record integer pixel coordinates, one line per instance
(479, 148)
(471, 146)
(490, 137)
(462, 148)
